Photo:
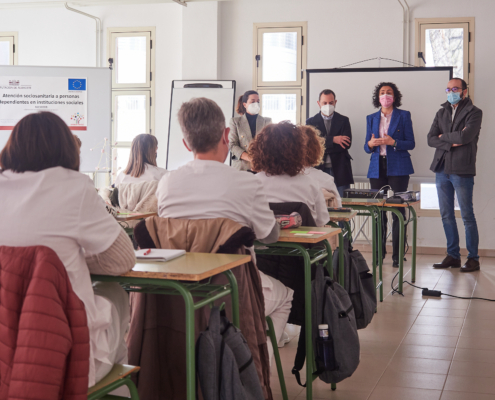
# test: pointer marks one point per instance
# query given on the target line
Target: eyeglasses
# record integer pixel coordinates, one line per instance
(453, 90)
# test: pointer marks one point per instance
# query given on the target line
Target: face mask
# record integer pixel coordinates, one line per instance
(253, 108)
(327, 109)
(454, 98)
(386, 100)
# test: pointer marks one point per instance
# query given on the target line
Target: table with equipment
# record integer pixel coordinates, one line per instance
(185, 276)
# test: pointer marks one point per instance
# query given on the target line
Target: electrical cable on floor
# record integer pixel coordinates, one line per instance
(435, 293)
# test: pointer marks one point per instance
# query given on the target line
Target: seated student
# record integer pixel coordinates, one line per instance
(315, 151)
(278, 155)
(49, 203)
(142, 163)
(206, 188)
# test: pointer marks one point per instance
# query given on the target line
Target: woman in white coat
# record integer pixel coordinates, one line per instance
(243, 129)
(142, 162)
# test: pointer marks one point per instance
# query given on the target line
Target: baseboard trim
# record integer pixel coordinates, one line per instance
(362, 245)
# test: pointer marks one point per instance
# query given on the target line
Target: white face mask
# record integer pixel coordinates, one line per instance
(327, 109)
(253, 108)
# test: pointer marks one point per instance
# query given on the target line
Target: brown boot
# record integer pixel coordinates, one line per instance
(471, 265)
(448, 262)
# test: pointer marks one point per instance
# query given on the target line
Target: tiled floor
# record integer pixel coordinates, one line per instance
(419, 348)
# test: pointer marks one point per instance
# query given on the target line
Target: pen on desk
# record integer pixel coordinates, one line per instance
(147, 252)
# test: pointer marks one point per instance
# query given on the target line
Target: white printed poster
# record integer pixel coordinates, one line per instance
(66, 97)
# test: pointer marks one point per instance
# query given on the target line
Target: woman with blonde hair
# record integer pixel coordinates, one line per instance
(142, 162)
(243, 129)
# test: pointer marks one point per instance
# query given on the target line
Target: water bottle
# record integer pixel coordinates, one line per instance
(325, 355)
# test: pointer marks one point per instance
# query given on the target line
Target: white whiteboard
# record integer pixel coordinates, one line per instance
(99, 88)
(423, 91)
(177, 154)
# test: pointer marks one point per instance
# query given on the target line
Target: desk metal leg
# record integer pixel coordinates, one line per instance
(415, 226)
(234, 296)
(308, 323)
(401, 246)
(190, 349)
(379, 244)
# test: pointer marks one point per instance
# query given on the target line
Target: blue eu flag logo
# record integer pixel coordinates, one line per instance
(77, 84)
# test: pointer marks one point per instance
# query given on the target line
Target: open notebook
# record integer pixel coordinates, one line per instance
(158, 254)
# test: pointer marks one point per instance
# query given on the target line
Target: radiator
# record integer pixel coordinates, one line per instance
(365, 232)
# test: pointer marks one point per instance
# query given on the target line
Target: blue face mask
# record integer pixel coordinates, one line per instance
(454, 98)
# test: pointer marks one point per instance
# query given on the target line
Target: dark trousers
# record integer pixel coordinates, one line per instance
(398, 184)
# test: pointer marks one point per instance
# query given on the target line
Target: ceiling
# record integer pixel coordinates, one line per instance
(58, 3)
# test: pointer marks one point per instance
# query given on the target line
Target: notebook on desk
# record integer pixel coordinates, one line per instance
(158, 254)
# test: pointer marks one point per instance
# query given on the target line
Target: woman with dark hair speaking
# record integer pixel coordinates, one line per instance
(243, 129)
(389, 136)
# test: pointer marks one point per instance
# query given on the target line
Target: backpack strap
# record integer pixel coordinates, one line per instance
(300, 356)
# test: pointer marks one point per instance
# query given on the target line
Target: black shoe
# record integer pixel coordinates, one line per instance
(395, 264)
(448, 262)
(471, 265)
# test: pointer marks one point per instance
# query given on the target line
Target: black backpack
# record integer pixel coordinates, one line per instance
(224, 363)
(332, 306)
(358, 282)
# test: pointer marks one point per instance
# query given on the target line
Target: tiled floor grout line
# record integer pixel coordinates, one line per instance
(459, 337)
(393, 355)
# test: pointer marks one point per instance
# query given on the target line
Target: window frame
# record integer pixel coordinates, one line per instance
(112, 39)
(469, 67)
(295, 91)
(258, 29)
(12, 37)
(113, 32)
(116, 93)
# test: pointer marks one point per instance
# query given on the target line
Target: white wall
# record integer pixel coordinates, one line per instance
(200, 41)
(213, 40)
(56, 36)
(342, 32)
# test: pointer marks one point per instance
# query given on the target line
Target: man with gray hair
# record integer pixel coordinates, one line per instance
(206, 188)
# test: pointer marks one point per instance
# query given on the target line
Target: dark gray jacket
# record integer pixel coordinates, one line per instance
(464, 130)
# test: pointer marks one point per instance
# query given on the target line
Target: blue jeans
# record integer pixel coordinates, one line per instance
(340, 189)
(447, 186)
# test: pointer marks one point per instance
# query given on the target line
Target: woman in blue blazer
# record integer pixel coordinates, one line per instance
(389, 136)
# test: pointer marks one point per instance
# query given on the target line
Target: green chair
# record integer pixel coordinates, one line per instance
(120, 375)
(273, 339)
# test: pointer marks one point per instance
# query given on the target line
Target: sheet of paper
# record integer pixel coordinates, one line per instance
(299, 231)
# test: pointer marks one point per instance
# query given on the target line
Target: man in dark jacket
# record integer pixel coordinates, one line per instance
(454, 134)
(336, 130)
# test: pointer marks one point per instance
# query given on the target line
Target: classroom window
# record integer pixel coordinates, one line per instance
(131, 115)
(133, 88)
(8, 48)
(280, 105)
(279, 60)
(447, 42)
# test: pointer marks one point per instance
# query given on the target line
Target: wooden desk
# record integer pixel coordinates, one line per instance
(287, 235)
(124, 217)
(362, 202)
(189, 267)
(342, 216)
(168, 278)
